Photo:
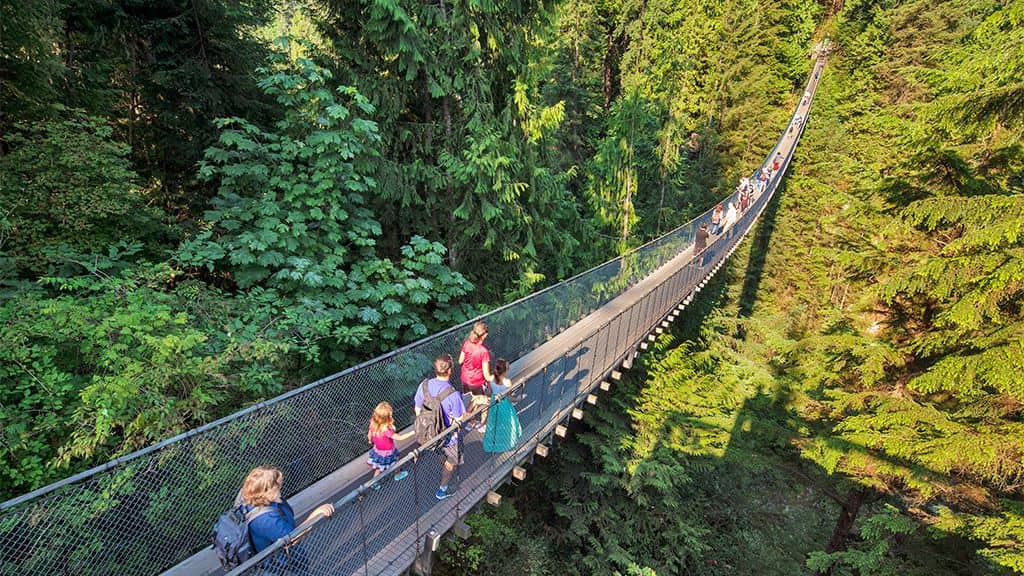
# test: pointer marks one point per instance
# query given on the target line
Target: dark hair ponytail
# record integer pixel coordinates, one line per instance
(500, 369)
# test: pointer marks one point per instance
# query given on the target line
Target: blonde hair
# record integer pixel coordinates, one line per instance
(478, 332)
(382, 419)
(262, 486)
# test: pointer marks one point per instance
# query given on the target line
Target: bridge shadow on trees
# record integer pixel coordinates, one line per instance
(697, 463)
(758, 253)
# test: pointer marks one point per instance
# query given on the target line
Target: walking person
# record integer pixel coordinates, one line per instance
(761, 182)
(382, 436)
(730, 217)
(475, 359)
(270, 517)
(504, 429)
(438, 393)
(716, 219)
(700, 243)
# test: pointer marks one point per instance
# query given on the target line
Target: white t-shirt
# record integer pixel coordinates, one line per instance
(499, 387)
(730, 215)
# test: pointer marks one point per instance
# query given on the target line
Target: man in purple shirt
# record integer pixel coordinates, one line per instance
(452, 408)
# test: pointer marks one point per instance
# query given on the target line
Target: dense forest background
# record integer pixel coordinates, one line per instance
(204, 203)
(847, 397)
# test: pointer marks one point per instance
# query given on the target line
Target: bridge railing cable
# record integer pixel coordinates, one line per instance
(149, 510)
(380, 528)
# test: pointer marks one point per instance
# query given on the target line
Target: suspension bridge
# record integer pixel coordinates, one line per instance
(151, 512)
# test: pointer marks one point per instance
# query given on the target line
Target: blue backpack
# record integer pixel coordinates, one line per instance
(231, 536)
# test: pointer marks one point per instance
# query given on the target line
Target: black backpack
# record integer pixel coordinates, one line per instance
(430, 420)
(231, 536)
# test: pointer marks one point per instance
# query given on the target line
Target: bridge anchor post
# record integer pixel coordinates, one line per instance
(424, 563)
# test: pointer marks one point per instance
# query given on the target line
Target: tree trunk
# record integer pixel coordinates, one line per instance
(610, 68)
(287, 15)
(661, 204)
(844, 524)
(453, 254)
(575, 120)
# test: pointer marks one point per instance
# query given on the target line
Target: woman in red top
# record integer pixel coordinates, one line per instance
(475, 359)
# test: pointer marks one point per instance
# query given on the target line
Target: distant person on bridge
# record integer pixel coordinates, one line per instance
(761, 182)
(475, 359)
(452, 409)
(730, 217)
(716, 219)
(269, 517)
(700, 242)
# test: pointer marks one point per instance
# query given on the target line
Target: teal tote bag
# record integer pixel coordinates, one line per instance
(503, 428)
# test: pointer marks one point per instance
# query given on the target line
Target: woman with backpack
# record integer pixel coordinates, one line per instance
(265, 518)
(475, 359)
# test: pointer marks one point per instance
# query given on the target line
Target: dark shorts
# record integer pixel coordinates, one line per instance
(452, 454)
(475, 391)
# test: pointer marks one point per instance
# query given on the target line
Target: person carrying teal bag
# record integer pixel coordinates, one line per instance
(503, 428)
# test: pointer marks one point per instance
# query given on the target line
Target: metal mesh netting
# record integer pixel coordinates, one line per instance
(145, 512)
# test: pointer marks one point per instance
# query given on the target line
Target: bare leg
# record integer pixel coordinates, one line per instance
(481, 402)
(447, 469)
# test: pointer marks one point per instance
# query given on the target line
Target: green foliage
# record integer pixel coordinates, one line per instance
(870, 557)
(291, 216)
(621, 172)
(1001, 533)
(466, 137)
(494, 539)
(67, 186)
(114, 361)
(163, 72)
(905, 325)
(876, 346)
(29, 67)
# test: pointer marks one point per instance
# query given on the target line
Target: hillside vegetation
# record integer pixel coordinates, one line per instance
(847, 397)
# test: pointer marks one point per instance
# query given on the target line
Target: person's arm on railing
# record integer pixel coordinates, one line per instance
(300, 531)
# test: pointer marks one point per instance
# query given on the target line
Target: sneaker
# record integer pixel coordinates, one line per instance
(443, 493)
(375, 486)
(401, 475)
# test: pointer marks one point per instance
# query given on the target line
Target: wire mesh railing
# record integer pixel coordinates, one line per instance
(147, 511)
